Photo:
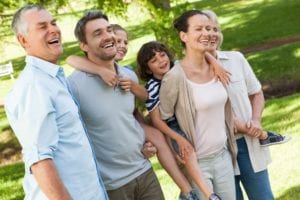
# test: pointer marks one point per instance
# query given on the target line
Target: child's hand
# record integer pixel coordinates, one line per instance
(185, 146)
(108, 76)
(254, 129)
(220, 72)
(149, 150)
(125, 83)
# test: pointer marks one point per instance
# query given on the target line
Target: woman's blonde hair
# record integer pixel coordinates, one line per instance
(213, 16)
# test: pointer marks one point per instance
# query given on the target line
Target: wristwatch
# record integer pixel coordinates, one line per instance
(214, 196)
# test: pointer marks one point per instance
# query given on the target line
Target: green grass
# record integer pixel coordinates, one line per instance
(11, 178)
(3, 120)
(280, 115)
(283, 116)
(251, 22)
(277, 64)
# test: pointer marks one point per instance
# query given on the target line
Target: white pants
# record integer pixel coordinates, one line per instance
(218, 173)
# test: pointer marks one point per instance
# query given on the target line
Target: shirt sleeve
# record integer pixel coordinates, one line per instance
(36, 126)
(168, 95)
(74, 90)
(252, 83)
(152, 88)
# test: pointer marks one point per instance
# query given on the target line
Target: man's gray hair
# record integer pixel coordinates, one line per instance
(18, 24)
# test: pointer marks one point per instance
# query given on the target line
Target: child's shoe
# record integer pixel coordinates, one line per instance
(191, 196)
(274, 138)
(214, 196)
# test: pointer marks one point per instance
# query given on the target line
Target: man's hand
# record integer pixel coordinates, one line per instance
(149, 150)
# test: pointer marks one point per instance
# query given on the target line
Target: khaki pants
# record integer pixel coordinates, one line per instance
(144, 187)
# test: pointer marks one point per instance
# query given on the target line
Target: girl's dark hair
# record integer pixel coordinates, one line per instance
(181, 22)
(146, 53)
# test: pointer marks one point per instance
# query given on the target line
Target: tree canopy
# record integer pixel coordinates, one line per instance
(162, 13)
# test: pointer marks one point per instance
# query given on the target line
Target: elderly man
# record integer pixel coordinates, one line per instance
(59, 161)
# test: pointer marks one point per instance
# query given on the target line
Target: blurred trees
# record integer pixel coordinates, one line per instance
(162, 13)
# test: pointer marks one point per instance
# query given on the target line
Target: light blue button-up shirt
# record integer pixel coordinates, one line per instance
(47, 123)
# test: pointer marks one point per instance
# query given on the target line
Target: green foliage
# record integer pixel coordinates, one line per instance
(7, 5)
(163, 26)
(115, 7)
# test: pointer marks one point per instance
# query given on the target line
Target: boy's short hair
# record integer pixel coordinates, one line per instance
(146, 53)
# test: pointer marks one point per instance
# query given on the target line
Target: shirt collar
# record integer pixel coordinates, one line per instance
(45, 66)
(222, 56)
(155, 79)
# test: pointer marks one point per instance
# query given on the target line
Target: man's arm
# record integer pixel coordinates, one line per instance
(253, 128)
(257, 103)
(49, 181)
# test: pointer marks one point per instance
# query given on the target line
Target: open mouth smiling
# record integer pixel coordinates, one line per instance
(54, 41)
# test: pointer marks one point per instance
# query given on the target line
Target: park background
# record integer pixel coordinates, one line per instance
(266, 31)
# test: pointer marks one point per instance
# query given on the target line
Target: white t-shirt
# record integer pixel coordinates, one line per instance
(210, 99)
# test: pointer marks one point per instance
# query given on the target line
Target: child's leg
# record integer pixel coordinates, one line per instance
(191, 163)
(195, 173)
(166, 158)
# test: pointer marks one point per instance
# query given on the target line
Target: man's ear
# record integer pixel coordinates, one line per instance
(83, 46)
(23, 41)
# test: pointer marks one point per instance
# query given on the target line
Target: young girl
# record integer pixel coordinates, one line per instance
(155, 61)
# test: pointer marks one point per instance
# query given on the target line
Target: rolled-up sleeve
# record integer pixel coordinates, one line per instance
(36, 126)
(168, 96)
(252, 83)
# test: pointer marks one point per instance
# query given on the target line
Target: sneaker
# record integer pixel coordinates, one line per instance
(214, 196)
(274, 138)
(191, 196)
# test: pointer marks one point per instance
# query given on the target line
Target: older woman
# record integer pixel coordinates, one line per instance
(248, 102)
(200, 103)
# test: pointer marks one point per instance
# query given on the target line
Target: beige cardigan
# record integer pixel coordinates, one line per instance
(176, 98)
